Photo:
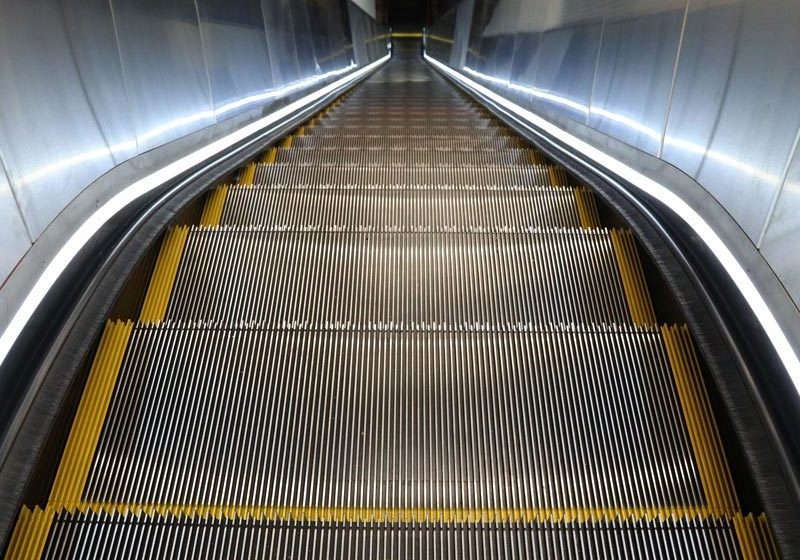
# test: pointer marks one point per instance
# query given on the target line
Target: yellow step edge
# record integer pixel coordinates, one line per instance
(714, 471)
(215, 203)
(755, 538)
(90, 416)
(269, 158)
(156, 300)
(285, 143)
(404, 515)
(632, 276)
(247, 174)
(587, 208)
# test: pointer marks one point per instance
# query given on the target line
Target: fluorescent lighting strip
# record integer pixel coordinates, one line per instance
(704, 231)
(140, 188)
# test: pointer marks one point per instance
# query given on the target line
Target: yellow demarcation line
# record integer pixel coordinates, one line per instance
(269, 158)
(85, 431)
(287, 142)
(712, 464)
(535, 157)
(155, 304)
(392, 515)
(558, 176)
(755, 537)
(587, 208)
(30, 533)
(247, 174)
(407, 35)
(633, 282)
(215, 203)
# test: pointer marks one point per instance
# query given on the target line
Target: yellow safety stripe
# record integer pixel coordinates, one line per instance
(30, 533)
(712, 464)
(215, 203)
(407, 35)
(286, 142)
(399, 515)
(535, 157)
(587, 209)
(756, 541)
(155, 304)
(558, 176)
(248, 174)
(85, 432)
(633, 282)
(269, 158)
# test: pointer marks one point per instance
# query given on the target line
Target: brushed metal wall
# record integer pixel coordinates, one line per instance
(709, 86)
(89, 84)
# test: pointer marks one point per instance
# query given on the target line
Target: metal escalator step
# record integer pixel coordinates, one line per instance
(97, 534)
(407, 158)
(429, 128)
(364, 278)
(581, 420)
(406, 142)
(394, 177)
(404, 207)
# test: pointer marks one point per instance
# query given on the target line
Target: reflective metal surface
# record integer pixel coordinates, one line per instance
(780, 241)
(707, 85)
(634, 71)
(565, 69)
(163, 60)
(235, 45)
(63, 117)
(15, 237)
(87, 85)
(734, 113)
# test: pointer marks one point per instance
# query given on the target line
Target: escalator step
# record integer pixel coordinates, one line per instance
(410, 177)
(404, 207)
(406, 142)
(408, 158)
(401, 280)
(125, 535)
(581, 420)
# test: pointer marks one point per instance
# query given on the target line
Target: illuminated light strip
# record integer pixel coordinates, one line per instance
(140, 188)
(738, 274)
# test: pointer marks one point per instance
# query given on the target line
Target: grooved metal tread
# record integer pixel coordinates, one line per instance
(391, 177)
(396, 420)
(402, 207)
(405, 142)
(402, 278)
(404, 158)
(130, 536)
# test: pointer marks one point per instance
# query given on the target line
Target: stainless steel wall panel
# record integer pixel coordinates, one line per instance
(280, 38)
(15, 238)
(565, 69)
(235, 44)
(734, 112)
(781, 236)
(303, 40)
(635, 69)
(64, 118)
(165, 71)
(523, 68)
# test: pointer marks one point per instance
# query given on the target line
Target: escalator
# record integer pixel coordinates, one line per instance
(401, 332)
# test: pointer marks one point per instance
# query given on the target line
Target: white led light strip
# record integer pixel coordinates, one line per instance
(141, 187)
(704, 231)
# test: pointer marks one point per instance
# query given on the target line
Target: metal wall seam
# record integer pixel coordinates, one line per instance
(674, 78)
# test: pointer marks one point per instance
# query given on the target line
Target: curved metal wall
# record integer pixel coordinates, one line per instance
(709, 86)
(89, 84)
